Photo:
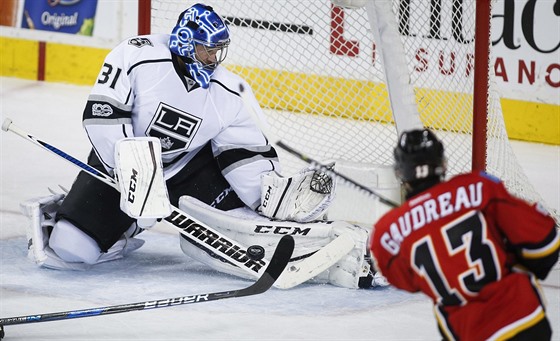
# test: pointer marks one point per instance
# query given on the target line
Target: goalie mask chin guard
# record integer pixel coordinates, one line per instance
(419, 156)
(201, 39)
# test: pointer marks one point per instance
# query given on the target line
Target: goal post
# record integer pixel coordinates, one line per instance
(333, 81)
(144, 17)
(480, 89)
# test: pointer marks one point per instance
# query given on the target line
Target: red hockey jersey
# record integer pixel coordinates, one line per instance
(475, 250)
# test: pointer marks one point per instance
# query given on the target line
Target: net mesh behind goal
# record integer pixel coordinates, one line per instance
(317, 72)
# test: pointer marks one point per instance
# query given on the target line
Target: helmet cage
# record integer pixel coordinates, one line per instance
(210, 55)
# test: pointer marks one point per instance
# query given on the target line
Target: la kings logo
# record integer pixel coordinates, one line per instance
(174, 128)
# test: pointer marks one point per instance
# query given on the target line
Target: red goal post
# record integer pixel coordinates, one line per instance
(480, 90)
(144, 16)
(319, 72)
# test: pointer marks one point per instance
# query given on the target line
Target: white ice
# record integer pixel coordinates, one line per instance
(159, 269)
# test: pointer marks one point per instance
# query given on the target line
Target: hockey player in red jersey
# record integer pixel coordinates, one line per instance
(468, 244)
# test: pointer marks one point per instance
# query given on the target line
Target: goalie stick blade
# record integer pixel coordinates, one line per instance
(320, 261)
(278, 263)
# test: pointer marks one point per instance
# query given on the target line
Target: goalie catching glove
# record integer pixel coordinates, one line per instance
(303, 197)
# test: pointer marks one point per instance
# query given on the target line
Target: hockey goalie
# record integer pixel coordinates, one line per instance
(165, 119)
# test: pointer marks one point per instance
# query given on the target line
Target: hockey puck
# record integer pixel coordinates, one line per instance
(255, 252)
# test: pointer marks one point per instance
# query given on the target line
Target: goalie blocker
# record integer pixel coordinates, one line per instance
(139, 170)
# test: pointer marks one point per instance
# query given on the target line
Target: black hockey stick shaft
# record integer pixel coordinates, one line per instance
(314, 163)
(277, 264)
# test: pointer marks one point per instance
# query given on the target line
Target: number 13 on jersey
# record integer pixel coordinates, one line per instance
(463, 266)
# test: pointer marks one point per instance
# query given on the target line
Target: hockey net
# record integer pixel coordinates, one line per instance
(318, 73)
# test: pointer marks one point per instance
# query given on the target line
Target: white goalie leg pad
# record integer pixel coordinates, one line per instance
(74, 246)
(139, 170)
(250, 228)
(303, 197)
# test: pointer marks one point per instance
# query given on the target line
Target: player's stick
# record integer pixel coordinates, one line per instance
(214, 242)
(278, 263)
(314, 163)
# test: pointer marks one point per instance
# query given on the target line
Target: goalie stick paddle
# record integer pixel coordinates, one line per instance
(314, 163)
(321, 260)
(278, 263)
(207, 238)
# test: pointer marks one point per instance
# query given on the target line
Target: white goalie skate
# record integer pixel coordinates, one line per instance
(373, 279)
(41, 213)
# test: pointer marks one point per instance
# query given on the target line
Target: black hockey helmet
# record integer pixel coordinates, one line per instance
(419, 156)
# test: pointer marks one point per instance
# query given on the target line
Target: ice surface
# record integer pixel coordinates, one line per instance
(160, 270)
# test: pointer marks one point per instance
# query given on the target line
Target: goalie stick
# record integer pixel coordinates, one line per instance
(314, 163)
(278, 263)
(210, 240)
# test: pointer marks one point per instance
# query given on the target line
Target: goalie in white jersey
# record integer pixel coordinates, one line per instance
(172, 87)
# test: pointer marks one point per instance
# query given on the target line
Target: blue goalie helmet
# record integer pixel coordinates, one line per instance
(201, 39)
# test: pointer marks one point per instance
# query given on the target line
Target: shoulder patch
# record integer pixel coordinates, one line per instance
(541, 209)
(139, 42)
(101, 109)
(490, 177)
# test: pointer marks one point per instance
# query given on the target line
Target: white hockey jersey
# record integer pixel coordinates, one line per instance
(142, 90)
